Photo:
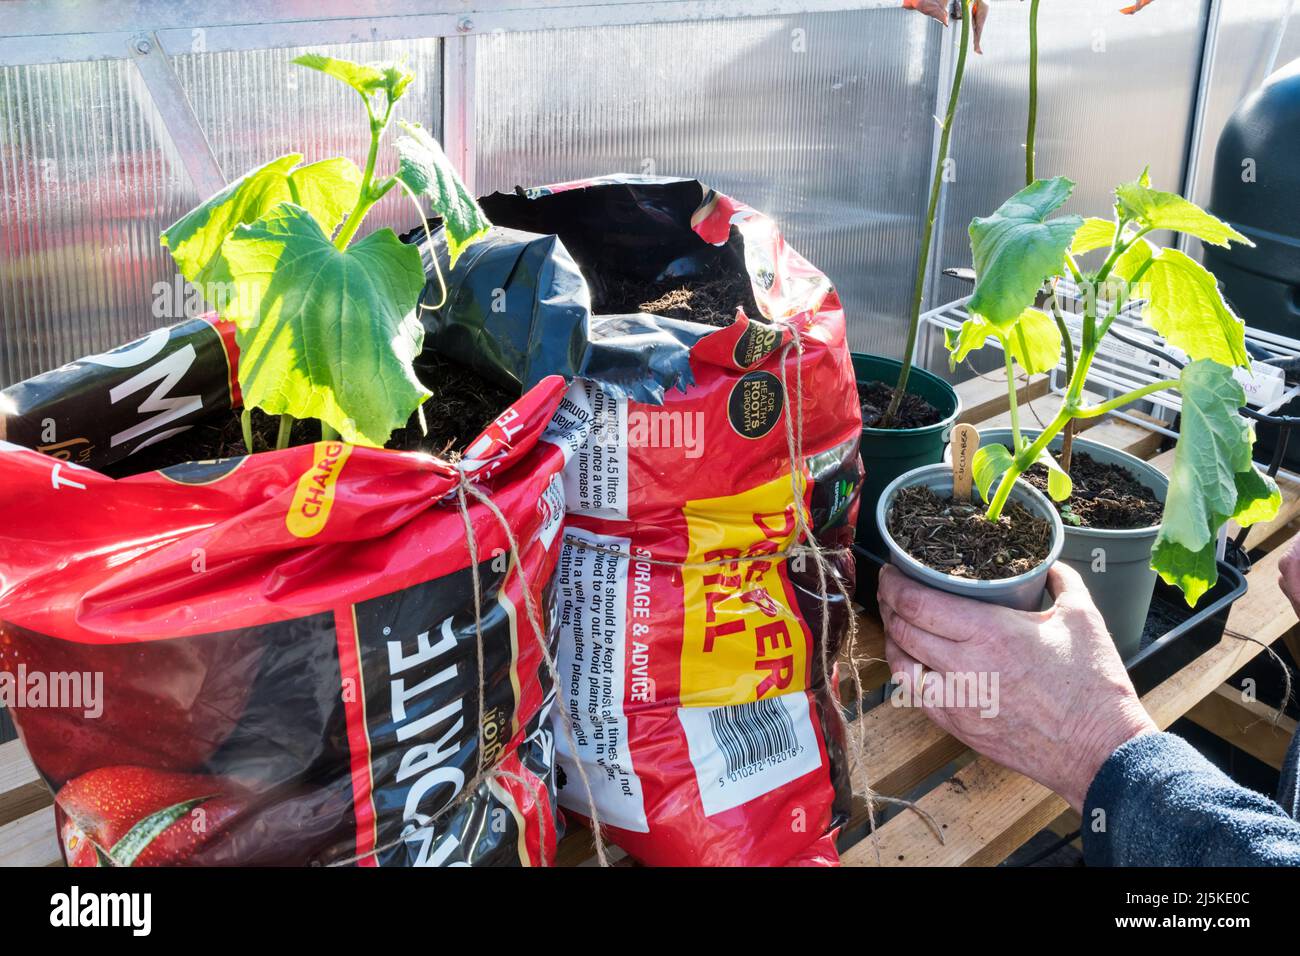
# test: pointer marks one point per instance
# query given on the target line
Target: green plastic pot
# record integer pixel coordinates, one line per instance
(1114, 564)
(890, 452)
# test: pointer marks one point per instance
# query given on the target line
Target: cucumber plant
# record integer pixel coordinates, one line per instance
(327, 326)
(1021, 245)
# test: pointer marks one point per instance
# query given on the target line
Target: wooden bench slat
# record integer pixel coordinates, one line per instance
(21, 789)
(30, 841)
(1249, 725)
(986, 395)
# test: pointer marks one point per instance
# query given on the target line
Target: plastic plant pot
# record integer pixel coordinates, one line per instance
(1024, 592)
(890, 452)
(1115, 564)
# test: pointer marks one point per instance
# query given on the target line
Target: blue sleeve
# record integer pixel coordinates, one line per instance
(1157, 802)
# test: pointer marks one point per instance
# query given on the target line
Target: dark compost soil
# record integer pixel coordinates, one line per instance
(711, 299)
(462, 405)
(913, 412)
(1104, 496)
(955, 538)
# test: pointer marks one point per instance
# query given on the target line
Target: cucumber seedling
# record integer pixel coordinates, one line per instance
(327, 327)
(1021, 245)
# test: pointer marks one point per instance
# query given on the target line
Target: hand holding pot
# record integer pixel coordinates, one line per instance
(1054, 699)
(1289, 572)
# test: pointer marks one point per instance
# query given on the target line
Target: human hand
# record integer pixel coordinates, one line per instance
(1062, 701)
(1289, 573)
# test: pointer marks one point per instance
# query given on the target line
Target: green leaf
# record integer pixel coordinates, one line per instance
(971, 337)
(1059, 483)
(1123, 284)
(1018, 247)
(1185, 306)
(327, 190)
(1094, 234)
(1212, 479)
(1154, 209)
(327, 333)
(424, 168)
(1035, 342)
(366, 78)
(989, 464)
(1133, 261)
(136, 840)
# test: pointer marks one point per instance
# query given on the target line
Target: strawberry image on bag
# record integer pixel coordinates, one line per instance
(698, 627)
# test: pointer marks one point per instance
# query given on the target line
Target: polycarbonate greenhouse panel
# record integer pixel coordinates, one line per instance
(1115, 93)
(89, 177)
(1249, 36)
(822, 121)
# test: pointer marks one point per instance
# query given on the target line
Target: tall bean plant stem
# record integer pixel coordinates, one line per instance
(1031, 131)
(936, 187)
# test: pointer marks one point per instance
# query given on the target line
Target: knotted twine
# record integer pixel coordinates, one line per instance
(465, 489)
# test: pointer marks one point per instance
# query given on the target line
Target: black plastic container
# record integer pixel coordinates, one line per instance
(1175, 634)
(1164, 654)
(1256, 189)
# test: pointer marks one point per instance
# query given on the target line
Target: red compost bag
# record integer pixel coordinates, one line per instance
(274, 659)
(693, 629)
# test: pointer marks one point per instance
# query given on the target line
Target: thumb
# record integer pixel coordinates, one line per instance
(1066, 586)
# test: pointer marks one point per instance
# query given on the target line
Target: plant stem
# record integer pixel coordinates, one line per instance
(1031, 132)
(1093, 411)
(1011, 394)
(936, 187)
(1067, 446)
(1066, 342)
(328, 433)
(246, 426)
(367, 196)
(1024, 458)
(286, 429)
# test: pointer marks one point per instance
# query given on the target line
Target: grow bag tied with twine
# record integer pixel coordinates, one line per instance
(703, 578)
(327, 654)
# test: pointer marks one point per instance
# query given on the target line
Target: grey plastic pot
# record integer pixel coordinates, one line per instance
(1024, 592)
(1115, 565)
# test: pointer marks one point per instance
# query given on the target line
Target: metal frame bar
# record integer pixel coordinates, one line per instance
(1204, 83)
(459, 99)
(177, 115)
(104, 30)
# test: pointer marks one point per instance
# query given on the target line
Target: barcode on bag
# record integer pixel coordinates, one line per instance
(751, 734)
(743, 751)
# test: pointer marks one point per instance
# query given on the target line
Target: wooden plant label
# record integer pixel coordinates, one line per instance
(965, 442)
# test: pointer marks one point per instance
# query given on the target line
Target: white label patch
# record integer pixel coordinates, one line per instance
(746, 750)
(591, 662)
(551, 507)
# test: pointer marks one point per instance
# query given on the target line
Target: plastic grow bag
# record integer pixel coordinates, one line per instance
(272, 659)
(690, 660)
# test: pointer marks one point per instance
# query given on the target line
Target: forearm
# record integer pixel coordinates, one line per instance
(1157, 802)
